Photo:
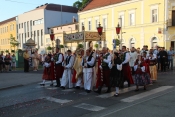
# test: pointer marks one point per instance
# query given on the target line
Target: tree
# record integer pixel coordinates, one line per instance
(61, 46)
(7, 51)
(96, 46)
(80, 46)
(13, 42)
(49, 48)
(12, 51)
(80, 3)
(117, 42)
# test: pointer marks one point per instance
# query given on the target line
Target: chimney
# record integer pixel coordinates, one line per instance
(74, 20)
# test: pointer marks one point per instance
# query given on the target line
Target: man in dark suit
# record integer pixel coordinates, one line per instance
(163, 59)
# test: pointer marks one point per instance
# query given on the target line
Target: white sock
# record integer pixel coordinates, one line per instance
(117, 90)
(44, 81)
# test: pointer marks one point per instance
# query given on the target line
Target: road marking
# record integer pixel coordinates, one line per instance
(48, 82)
(89, 107)
(52, 88)
(61, 101)
(112, 93)
(83, 93)
(145, 94)
(42, 86)
(68, 90)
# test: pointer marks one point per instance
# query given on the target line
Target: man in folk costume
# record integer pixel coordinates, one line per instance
(88, 64)
(93, 53)
(133, 57)
(105, 71)
(79, 69)
(58, 58)
(126, 68)
(48, 73)
(67, 74)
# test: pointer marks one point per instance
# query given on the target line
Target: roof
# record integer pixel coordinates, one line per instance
(8, 20)
(99, 3)
(64, 25)
(57, 7)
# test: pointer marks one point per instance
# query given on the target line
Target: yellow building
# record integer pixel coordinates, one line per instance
(143, 22)
(7, 28)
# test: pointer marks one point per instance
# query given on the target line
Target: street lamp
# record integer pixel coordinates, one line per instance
(118, 30)
(100, 31)
(71, 33)
(52, 38)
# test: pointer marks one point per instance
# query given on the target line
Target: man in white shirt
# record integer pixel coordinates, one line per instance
(133, 57)
(88, 64)
(67, 74)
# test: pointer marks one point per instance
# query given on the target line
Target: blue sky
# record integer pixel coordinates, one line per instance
(11, 8)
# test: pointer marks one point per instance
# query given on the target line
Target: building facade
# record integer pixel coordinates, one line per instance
(7, 28)
(143, 22)
(35, 23)
(59, 32)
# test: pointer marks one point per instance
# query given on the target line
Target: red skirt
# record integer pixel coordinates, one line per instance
(48, 73)
(59, 71)
(73, 77)
(127, 74)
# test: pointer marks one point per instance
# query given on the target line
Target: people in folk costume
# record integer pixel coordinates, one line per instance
(67, 74)
(133, 57)
(141, 78)
(88, 64)
(116, 73)
(146, 62)
(48, 73)
(152, 66)
(79, 69)
(58, 59)
(126, 70)
(105, 71)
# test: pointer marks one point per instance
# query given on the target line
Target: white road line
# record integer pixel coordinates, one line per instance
(48, 82)
(61, 101)
(145, 94)
(112, 93)
(68, 90)
(52, 88)
(89, 107)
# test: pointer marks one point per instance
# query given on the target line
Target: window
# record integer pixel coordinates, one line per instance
(41, 37)
(22, 38)
(121, 17)
(154, 15)
(19, 39)
(13, 27)
(89, 25)
(21, 25)
(173, 18)
(42, 21)
(132, 19)
(34, 34)
(104, 23)
(7, 28)
(82, 26)
(27, 26)
(96, 23)
(33, 23)
(154, 42)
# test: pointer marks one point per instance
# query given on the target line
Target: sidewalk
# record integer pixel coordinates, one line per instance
(14, 79)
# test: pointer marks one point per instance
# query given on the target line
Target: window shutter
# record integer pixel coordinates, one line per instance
(170, 18)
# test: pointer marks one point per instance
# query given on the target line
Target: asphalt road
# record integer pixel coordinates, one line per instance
(32, 100)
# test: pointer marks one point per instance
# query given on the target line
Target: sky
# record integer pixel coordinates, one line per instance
(11, 8)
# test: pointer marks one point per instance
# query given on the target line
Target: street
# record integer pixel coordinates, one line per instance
(22, 96)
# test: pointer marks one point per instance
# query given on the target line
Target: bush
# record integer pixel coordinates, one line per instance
(96, 46)
(49, 48)
(80, 46)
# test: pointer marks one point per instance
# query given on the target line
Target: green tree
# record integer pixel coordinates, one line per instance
(13, 42)
(49, 48)
(80, 46)
(80, 3)
(7, 51)
(61, 46)
(96, 46)
(117, 42)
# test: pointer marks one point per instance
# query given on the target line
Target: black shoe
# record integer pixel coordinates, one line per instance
(99, 92)
(109, 90)
(77, 87)
(51, 85)
(116, 95)
(42, 84)
(137, 90)
(88, 91)
(62, 87)
(57, 86)
(129, 85)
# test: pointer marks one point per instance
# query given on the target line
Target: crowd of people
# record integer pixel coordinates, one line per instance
(90, 68)
(7, 62)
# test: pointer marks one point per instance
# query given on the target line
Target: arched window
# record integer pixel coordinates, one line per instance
(154, 42)
(132, 42)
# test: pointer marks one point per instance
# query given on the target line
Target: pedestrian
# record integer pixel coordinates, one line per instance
(133, 57)
(67, 74)
(141, 78)
(152, 66)
(170, 58)
(10, 65)
(116, 73)
(26, 60)
(7, 63)
(1, 63)
(13, 62)
(163, 59)
(48, 73)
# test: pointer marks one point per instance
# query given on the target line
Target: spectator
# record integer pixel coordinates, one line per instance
(1, 63)
(26, 61)
(7, 62)
(163, 59)
(170, 58)
(13, 62)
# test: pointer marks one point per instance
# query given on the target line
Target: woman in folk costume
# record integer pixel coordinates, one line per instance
(78, 70)
(141, 78)
(48, 73)
(116, 73)
(146, 62)
(98, 74)
(152, 66)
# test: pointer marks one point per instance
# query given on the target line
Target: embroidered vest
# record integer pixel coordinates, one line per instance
(89, 59)
(68, 59)
(104, 64)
